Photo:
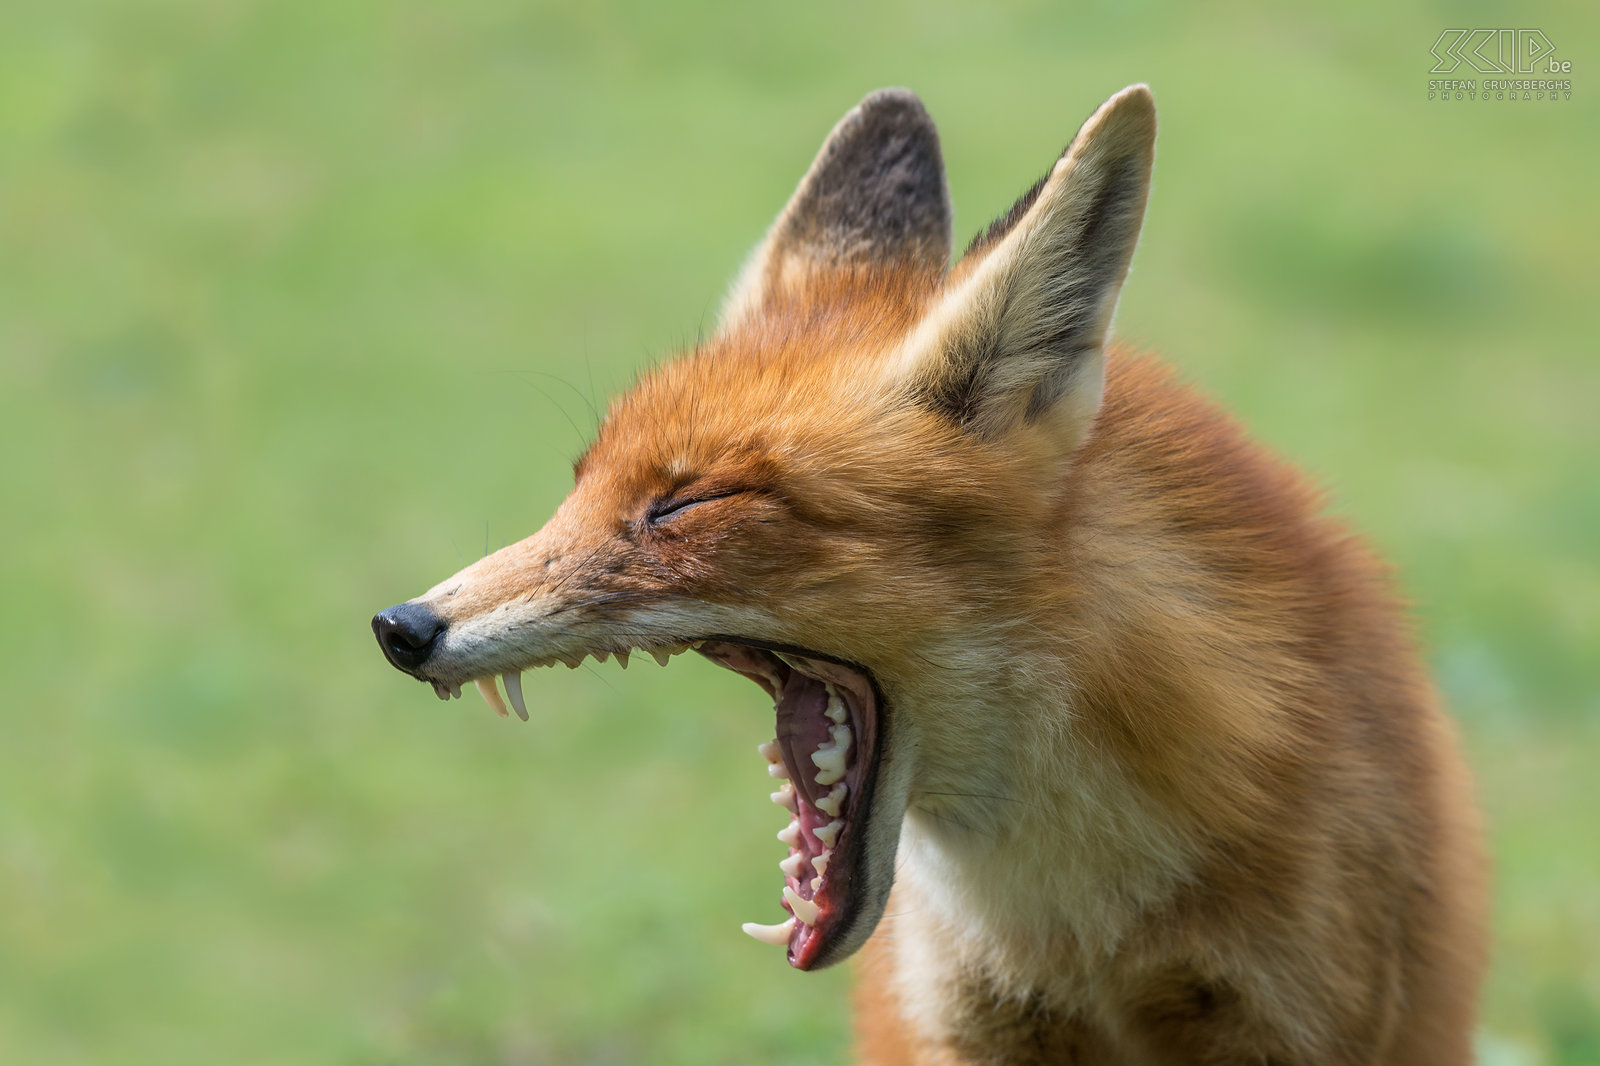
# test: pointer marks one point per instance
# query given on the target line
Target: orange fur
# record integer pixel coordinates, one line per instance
(1163, 779)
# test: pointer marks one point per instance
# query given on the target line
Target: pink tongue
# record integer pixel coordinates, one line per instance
(802, 729)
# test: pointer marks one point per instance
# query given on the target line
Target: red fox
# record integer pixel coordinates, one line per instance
(1134, 737)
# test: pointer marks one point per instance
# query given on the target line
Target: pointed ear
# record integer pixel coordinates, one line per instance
(874, 196)
(1018, 338)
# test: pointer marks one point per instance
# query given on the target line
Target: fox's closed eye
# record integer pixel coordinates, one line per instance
(671, 507)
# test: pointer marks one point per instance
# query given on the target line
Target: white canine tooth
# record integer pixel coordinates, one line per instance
(803, 909)
(622, 659)
(828, 833)
(820, 864)
(662, 655)
(776, 935)
(791, 865)
(491, 695)
(784, 797)
(830, 804)
(513, 683)
(770, 751)
(790, 834)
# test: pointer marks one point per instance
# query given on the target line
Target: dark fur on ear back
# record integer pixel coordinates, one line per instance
(876, 191)
(1001, 226)
(875, 196)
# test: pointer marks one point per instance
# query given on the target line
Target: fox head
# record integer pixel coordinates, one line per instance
(841, 494)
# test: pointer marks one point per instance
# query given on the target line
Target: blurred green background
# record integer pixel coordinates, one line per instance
(303, 305)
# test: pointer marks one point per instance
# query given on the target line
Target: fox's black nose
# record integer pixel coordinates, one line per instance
(407, 634)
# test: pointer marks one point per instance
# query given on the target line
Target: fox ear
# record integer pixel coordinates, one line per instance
(1018, 337)
(874, 196)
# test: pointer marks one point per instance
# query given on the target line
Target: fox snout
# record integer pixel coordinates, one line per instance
(407, 633)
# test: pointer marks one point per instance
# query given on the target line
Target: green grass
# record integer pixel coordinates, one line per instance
(302, 305)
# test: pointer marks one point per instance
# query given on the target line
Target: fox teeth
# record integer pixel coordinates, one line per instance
(777, 769)
(622, 659)
(830, 758)
(776, 935)
(819, 864)
(804, 909)
(784, 797)
(770, 751)
(513, 683)
(828, 833)
(791, 865)
(790, 834)
(835, 712)
(491, 695)
(829, 804)
(662, 656)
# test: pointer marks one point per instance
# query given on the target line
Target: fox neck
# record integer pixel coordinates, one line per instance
(1022, 840)
(1060, 798)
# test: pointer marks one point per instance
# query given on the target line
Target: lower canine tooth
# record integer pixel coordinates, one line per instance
(803, 909)
(776, 935)
(491, 695)
(513, 683)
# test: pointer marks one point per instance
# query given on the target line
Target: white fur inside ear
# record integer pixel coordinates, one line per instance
(1019, 339)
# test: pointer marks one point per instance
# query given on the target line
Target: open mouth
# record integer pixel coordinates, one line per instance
(823, 759)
